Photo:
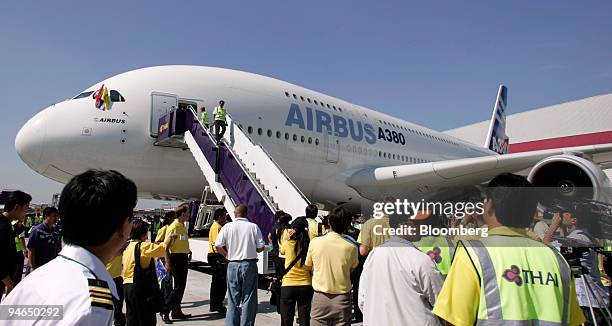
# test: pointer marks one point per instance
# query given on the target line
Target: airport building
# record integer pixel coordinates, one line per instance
(582, 122)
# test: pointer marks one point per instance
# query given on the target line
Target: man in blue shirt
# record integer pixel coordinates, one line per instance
(45, 242)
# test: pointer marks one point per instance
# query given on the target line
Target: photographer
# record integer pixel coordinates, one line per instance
(579, 226)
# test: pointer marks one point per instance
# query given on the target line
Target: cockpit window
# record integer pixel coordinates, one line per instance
(116, 97)
(82, 95)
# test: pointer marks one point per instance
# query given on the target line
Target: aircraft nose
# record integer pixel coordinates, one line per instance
(30, 141)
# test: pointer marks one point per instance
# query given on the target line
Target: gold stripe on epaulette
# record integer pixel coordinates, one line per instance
(99, 289)
(100, 292)
(100, 295)
(102, 301)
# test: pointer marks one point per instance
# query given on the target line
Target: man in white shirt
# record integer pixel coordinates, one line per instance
(75, 288)
(399, 283)
(239, 242)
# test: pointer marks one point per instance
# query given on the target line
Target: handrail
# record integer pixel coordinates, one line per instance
(231, 151)
(285, 174)
(271, 159)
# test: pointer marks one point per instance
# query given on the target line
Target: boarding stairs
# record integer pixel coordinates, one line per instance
(236, 169)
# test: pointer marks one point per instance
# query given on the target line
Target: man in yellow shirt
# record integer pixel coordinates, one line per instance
(332, 258)
(508, 277)
(176, 264)
(136, 312)
(161, 233)
(166, 281)
(370, 236)
(218, 285)
(315, 229)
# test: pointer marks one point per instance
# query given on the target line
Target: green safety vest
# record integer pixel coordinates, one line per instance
(18, 245)
(440, 249)
(607, 245)
(219, 113)
(523, 282)
(204, 117)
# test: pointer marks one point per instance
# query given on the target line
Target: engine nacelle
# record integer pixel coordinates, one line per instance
(571, 177)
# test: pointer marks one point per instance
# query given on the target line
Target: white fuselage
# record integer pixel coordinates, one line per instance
(72, 136)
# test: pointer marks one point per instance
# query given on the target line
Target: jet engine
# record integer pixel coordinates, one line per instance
(570, 177)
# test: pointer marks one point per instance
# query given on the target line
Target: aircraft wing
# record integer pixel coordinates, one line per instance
(405, 180)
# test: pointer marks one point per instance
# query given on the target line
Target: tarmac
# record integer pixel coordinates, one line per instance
(196, 300)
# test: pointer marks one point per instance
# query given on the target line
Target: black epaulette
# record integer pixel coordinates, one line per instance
(100, 294)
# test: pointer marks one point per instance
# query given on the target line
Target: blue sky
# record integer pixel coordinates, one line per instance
(434, 63)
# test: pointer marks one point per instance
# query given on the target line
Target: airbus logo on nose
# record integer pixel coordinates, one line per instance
(109, 120)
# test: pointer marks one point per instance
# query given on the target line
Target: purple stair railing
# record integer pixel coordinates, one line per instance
(232, 175)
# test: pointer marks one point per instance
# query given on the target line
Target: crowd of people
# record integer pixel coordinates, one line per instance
(330, 270)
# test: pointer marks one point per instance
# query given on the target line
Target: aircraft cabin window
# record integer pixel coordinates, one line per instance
(328, 106)
(295, 96)
(278, 134)
(316, 103)
(302, 98)
(82, 95)
(310, 140)
(317, 141)
(269, 133)
(294, 137)
(286, 136)
(250, 130)
(116, 97)
(340, 109)
(302, 139)
(259, 131)
(309, 100)
(287, 94)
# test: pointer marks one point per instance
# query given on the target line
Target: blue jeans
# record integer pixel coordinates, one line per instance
(242, 293)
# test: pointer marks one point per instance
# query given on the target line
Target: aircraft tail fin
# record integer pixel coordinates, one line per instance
(497, 140)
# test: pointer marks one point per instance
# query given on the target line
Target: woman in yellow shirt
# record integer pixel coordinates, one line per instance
(276, 237)
(136, 312)
(296, 286)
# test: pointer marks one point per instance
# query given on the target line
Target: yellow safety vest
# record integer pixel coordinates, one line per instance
(440, 249)
(523, 282)
(204, 117)
(219, 113)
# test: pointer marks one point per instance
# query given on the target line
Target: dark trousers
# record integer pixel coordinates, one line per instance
(166, 288)
(219, 129)
(178, 264)
(136, 313)
(279, 267)
(218, 286)
(119, 317)
(355, 276)
(290, 295)
(19, 272)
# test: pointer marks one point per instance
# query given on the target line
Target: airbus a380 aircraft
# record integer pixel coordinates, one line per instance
(336, 152)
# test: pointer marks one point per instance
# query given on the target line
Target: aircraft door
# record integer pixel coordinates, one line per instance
(332, 144)
(161, 103)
